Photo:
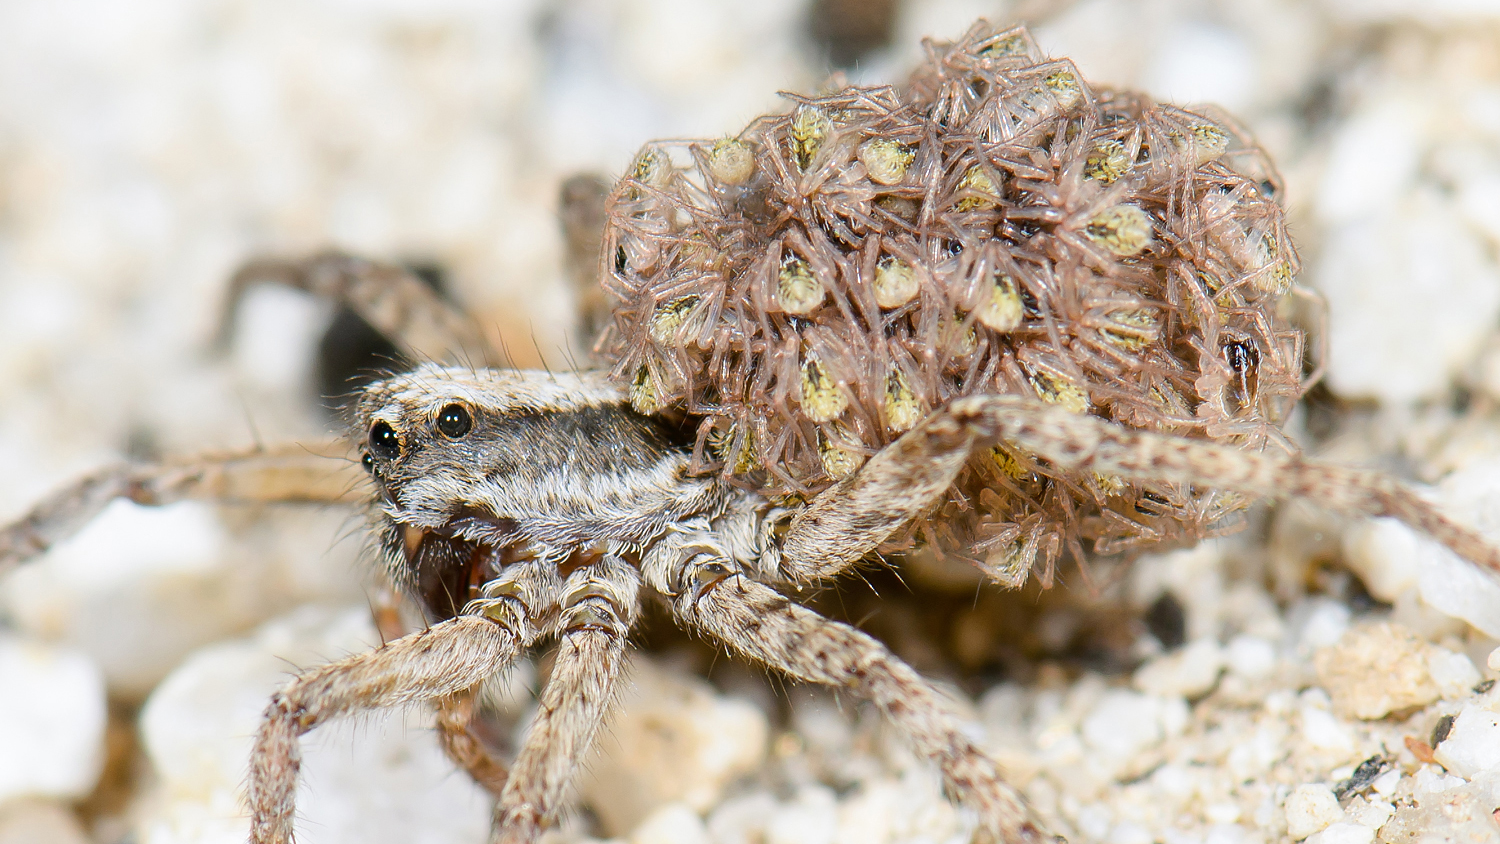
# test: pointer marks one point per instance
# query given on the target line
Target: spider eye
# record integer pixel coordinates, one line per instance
(1241, 355)
(368, 462)
(383, 441)
(454, 421)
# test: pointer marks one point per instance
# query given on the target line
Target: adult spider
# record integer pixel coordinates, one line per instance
(523, 506)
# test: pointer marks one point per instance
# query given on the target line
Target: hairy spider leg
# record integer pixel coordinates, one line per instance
(391, 298)
(599, 604)
(446, 659)
(709, 594)
(295, 473)
(1088, 443)
(455, 726)
(848, 521)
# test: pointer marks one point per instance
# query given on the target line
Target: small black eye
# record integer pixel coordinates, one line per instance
(384, 442)
(1241, 355)
(454, 421)
(368, 462)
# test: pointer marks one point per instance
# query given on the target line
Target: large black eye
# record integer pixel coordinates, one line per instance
(384, 442)
(454, 421)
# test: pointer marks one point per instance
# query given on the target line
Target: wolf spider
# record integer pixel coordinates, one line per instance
(519, 508)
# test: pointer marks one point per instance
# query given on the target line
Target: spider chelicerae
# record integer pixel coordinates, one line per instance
(994, 309)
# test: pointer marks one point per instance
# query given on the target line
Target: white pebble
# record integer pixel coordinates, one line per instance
(1226, 833)
(1372, 161)
(197, 725)
(1175, 780)
(1454, 673)
(1258, 752)
(1311, 808)
(1129, 833)
(1093, 820)
(1370, 813)
(1415, 270)
(1473, 743)
(1324, 731)
(1492, 662)
(1446, 13)
(1431, 780)
(382, 778)
(1343, 833)
(824, 727)
(742, 819)
(1196, 62)
(1002, 707)
(1323, 623)
(1383, 552)
(673, 823)
(1175, 715)
(1447, 582)
(1190, 671)
(1123, 723)
(276, 337)
(812, 818)
(1250, 657)
(1222, 813)
(1195, 576)
(378, 779)
(136, 588)
(52, 714)
(673, 740)
(1385, 784)
(911, 808)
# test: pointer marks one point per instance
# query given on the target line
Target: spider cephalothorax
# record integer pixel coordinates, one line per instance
(479, 469)
(813, 286)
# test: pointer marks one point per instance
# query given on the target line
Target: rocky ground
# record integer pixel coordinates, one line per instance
(1311, 678)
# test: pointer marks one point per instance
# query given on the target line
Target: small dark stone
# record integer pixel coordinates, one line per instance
(1484, 687)
(1441, 730)
(1363, 775)
(1167, 621)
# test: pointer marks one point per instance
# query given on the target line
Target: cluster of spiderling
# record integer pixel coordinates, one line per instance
(812, 287)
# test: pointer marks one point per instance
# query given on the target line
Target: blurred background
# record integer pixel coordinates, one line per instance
(148, 148)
